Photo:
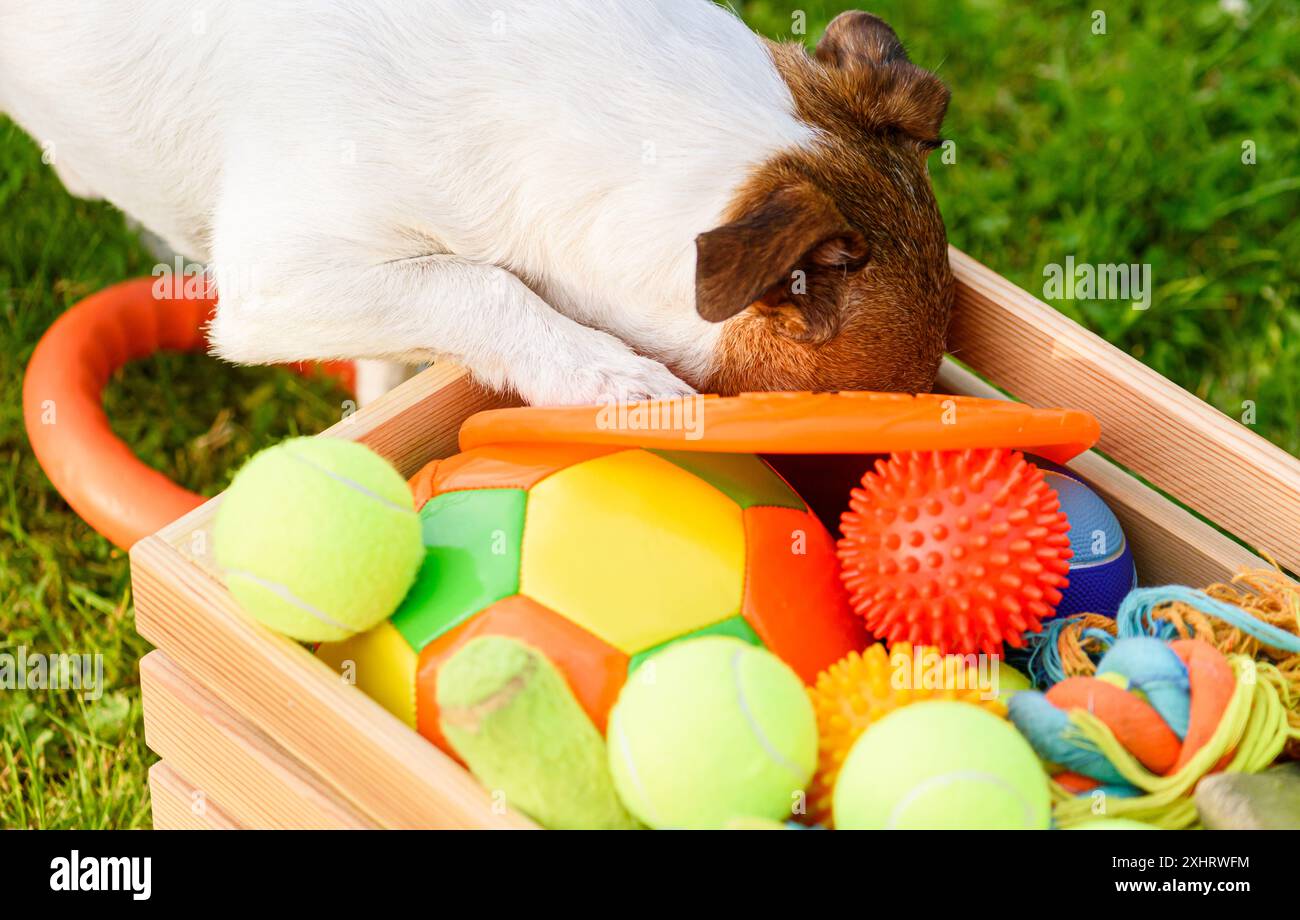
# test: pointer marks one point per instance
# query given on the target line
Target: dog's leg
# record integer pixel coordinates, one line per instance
(481, 316)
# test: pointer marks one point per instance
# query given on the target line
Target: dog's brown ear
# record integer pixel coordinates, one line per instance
(735, 264)
(889, 91)
(858, 39)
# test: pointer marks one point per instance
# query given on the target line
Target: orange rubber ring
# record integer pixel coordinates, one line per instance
(92, 468)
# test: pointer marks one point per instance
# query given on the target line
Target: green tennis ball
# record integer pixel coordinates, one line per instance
(941, 765)
(318, 538)
(708, 730)
(1010, 681)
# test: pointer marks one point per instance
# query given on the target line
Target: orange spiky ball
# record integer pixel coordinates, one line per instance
(859, 690)
(962, 550)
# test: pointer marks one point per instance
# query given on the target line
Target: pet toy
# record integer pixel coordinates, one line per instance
(861, 689)
(317, 538)
(963, 550)
(601, 557)
(511, 717)
(98, 474)
(1101, 566)
(1148, 704)
(711, 730)
(941, 766)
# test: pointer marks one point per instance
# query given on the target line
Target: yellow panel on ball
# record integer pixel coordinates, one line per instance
(383, 666)
(634, 549)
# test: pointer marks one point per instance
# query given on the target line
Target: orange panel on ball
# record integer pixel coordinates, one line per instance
(511, 466)
(794, 598)
(595, 671)
(422, 483)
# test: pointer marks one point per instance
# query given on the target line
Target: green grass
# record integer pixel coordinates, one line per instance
(64, 762)
(1117, 148)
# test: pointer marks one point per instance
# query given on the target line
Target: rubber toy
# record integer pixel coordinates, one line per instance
(962, 550)
(861, 689)
(511, 717)
(1101, 568)
(95, 471)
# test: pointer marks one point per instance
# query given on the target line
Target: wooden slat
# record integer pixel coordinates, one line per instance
(178, 806)
(257, 782)
(1165, 434)
(391, 774)
(1170, 545)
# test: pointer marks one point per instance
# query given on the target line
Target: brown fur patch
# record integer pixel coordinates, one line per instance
(863, 291)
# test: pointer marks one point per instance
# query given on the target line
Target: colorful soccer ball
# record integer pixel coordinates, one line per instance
(600, 557)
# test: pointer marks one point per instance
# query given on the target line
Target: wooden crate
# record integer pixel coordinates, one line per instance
(255, 732)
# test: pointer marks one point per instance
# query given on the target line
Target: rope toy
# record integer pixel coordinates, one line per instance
(1180, 684)
(861, 689)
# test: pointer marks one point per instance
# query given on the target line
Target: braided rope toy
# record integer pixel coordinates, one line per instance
(1180, 684)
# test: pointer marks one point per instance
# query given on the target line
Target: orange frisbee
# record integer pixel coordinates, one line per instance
(797, 423)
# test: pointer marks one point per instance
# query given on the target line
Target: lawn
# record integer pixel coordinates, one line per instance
(1123, 147)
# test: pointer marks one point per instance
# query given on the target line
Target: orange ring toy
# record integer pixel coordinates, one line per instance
(108, 486)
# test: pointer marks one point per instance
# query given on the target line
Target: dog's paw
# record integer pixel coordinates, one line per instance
(623, 378)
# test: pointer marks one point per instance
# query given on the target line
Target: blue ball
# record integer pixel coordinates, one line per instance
(1101, 571)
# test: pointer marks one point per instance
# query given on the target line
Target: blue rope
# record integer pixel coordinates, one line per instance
(1136, 617)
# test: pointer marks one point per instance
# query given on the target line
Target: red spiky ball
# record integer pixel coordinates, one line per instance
(961, 550)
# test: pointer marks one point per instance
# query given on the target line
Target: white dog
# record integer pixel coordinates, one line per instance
(576, 199)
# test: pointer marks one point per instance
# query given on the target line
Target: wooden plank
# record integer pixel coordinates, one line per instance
(178, 806)
(1148, 424)
(1170, 545)
(257, 782)
(392, 775)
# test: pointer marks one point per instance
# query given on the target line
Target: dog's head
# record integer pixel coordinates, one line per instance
(831, 272)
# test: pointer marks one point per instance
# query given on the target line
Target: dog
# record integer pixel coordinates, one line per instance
(575, 200)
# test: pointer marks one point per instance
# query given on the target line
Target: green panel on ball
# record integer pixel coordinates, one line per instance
(471, 541)
(743, 478)
(736, 627)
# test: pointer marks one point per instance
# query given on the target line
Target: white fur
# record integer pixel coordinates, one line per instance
(514, 184)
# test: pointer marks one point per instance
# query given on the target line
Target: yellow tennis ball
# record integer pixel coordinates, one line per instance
(318, 538)
(710, 730)
(1010, 682)
(941, 765)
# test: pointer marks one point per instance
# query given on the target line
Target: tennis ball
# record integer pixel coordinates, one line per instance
(709, 730)
(318, 538)
(941, 765)
(1010, 681)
